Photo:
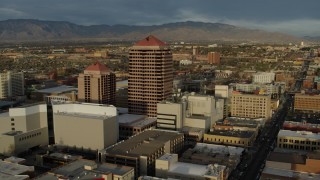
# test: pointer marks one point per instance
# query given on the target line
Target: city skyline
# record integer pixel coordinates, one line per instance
(293, 17)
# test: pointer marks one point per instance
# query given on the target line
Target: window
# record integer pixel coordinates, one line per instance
(12, 119)
(12, 124)
(13, 129)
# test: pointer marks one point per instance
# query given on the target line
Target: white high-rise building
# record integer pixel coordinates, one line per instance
(11, 84)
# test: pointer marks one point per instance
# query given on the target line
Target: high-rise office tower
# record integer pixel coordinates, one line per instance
(150, 75)
(97, 85)
(11, 84)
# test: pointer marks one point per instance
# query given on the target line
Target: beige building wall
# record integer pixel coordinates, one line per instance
(24, 119)
(202, 105)
(221, 91)
(163, 165)
(238, 141)
(252, 106)
(299, 140)
(15, 142)
(87, 131)
(170, 115)
(203, 122)
(305, 102)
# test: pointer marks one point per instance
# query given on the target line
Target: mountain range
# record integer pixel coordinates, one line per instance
(22, 30)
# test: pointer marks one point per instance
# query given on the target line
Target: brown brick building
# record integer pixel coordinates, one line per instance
(150, 75)
(97, 85)
(214, 58)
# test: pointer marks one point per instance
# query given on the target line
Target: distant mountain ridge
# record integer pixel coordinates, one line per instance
(19, 30)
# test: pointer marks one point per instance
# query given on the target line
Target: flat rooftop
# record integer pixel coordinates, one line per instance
(14, 169)
(194, 169)
(301, 134)
(288, 173)
(6, 103)
(64, 156)
(15, 177)
(287, 158)
(144, 122)
(14, 159)
(144, 143)
(129, 118)
(84, 115)
(241, 134)
(114, 168)
(74, 168)
(58, 90)
(13, 133)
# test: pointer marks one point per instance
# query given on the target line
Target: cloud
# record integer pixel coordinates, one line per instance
(12, 13)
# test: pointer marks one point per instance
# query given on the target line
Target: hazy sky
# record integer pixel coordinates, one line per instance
(298, 17)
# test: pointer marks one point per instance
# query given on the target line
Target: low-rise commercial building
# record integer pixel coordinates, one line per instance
(84, 169)
(205, 154)
(299, 140)
(292, 166)
(142, 150)
(235, 138)
(167, 166)
(132, 124)
(237, 124)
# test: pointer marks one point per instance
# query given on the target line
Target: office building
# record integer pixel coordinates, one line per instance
(97, 85)
(150, 75)
(298, 140)
(306, 103)
(233, 138)
(142, 150)
(251, 106)
(293, 166)
(167, 166)
(213, 58)
(11, 84)
(263, 77)
(23, 128)
(87, 126)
